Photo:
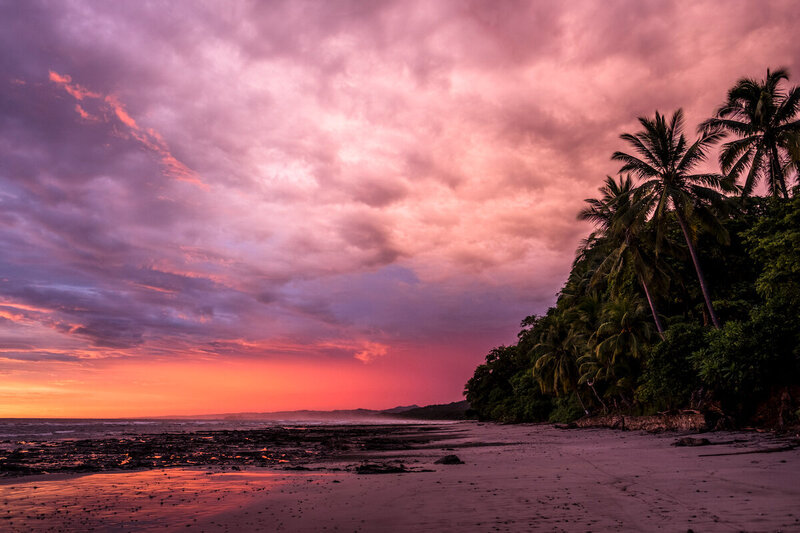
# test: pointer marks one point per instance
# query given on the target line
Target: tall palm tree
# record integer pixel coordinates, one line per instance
(663, 162)
(764, 117)
(621, 217)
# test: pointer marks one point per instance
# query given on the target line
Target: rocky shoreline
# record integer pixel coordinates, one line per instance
(464, 476)
(290, 447)
(685, 422)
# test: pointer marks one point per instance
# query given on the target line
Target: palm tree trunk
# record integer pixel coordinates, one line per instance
(697, 268)
(776, 172)
(599, 399)
(580, 400)
(657, 320)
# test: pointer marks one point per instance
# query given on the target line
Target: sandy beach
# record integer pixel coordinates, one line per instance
(514, 478)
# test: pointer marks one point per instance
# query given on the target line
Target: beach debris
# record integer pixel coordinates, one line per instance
(776, 449)
(725, 423)
(449, 460)
(571, 425)
(691, 441)
(381, 468)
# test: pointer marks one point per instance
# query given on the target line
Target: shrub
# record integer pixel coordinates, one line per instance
(743, 360)
(669, 379)
(566, 409)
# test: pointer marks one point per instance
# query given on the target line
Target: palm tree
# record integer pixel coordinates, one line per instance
(555, 366)
(764, 117)
(664, 161)
(588, 311)
(621, 217)
(621, 338)
(624, 330)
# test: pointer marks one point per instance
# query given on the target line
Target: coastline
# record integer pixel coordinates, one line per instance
(514, 478)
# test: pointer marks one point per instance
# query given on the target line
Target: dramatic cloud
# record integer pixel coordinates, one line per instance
(382, 190)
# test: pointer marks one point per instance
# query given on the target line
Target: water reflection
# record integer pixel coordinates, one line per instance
(146, 500)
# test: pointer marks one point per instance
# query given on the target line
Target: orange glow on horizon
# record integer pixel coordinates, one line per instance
(128, 388)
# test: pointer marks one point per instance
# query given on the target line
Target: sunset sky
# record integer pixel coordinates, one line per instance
(252, 206)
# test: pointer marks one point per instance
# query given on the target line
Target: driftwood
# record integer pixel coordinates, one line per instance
(776, 449)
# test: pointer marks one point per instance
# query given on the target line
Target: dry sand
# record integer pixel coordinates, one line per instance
(535, 478)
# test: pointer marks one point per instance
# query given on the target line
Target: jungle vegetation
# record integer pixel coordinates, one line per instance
(687, 294)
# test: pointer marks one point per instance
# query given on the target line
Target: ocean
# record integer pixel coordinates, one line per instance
(14, 430)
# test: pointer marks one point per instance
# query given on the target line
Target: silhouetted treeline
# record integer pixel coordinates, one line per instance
(687, 295)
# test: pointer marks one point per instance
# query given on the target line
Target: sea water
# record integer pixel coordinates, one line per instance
(55, 429)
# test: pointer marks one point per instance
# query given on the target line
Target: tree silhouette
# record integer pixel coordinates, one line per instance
(764, 118)
(664, 161)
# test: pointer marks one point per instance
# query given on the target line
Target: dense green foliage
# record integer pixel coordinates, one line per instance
(687, 295)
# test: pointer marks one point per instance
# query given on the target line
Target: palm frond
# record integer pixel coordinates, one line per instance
(755, 167)
(635, 165)
(788, 108)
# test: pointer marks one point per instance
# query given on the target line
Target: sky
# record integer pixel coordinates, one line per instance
(214, 206)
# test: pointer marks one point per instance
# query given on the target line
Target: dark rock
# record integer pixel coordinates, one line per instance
(381, 468)
(691, 441)
(725, 423)
(449, 460)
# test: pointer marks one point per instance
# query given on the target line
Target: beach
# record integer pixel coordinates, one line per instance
(513, 478)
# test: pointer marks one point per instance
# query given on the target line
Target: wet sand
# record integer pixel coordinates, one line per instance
(515, 478)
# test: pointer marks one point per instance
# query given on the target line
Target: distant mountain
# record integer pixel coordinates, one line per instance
(449, 411)
(304, 414)
(444, 411)
(400, 409)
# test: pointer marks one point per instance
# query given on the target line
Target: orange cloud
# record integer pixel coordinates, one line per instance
(58, 78)
(156, 289)
(365, 351)
(119, 110)
(22, 313)
(371, 351)
(11, 316)
(151, 139)
(77, 91)
(25, 307)
(83, 113)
